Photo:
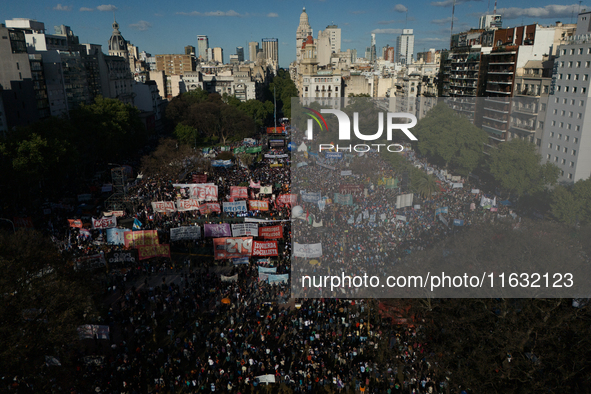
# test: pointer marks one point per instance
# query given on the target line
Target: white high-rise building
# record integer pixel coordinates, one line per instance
(488, 22)
(304, 30)
(253, 50)
(329, 42)
(405, 46)
(202, 46)
(566, 141)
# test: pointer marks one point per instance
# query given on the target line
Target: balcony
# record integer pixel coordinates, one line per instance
(499, 91)
(524, 127)
(500, 120)
(501, 111)
(496, 100)
(493, 128)
(500, 82)
(526, 110)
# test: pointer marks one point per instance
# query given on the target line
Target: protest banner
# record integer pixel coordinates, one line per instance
(230, 248)
(140, 238)
(209, 207)
(258, 205)
(122, 256)
(236, 206)
(307, 250)
(189, 204)
(198, 191)
(149, 251)
(271, 232)
(163, 206)
(237, 192)
(217, 230)
(245, 229)
(265, 248)
(106, 222)
(185, 233)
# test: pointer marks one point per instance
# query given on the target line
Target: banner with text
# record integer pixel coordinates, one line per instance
(238, 192)
(217, 230)
(209, 207)
(245, 229)
(106, 222)
(190, 204)
(265, 248)
(231, 248)
(141, 238)
(198, 191)
(185, 233)
(271, 232)
(257, 205)
(149, 251)
(236, 206)
(307, 250)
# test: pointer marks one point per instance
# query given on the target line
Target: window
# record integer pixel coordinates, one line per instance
(548, 156)
(574, 152)
(579, 115)
(564, 101)
(540, 125)
(587, 64)
(543, 107)
(574, 90)
(567, 77)
(566, 137)
(585, 77)
(559, 76)
(576, 77)
(572, 164)
(566, 89)
(565, 150)
(562, 112)
(538, 141)
(572, 51)
(564, 51)
(550, 145)
(570, 65)
(561, 125)
(580, 51)
(561, 64)
(570, 114)
(555, 111)
(556, 159)
(582, 103)
(557, 147)
(578, 64)
(563, 161)
(553, 123)
(559, 136)
(578, 128)
(576, 140)
(583, 90)
(572, 102)
(570, 176)
(551, 134)
(562, 172)
(568, 126)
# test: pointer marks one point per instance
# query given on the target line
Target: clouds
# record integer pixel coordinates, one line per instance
(400, 8)
(549, 11)
(449, 3)
(86, 9)
(387, 31)
(444, 21)
(107, 7)
(141, 26)
(60, 7)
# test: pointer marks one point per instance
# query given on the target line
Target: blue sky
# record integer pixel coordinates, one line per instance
(160, 27)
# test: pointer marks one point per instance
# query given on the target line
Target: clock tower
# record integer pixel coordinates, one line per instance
(117, 44)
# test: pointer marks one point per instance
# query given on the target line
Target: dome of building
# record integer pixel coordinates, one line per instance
(117, 42)
(309, 40)
(304, 18)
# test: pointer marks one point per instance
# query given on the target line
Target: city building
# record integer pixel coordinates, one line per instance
(270, 47)
(488, 22)
(328, 43)
(405, 44)
(304, 30)
(175, 64)
(240, 53)
(218, 55)
(373, 51)
(202, 46)
(190, 50)
(253, 50)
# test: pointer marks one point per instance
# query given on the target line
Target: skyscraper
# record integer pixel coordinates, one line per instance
(253, 49)
(202, 46)
(329, 42)
(271, 49)
(240, 53)
(405, 46)
(189, 50)
(373, 55)
(218, 55)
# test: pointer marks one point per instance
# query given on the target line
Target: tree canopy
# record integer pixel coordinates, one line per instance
(450, 139)
(517, 168)
(572, 204)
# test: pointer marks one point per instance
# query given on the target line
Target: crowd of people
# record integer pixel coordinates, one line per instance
(218, 328)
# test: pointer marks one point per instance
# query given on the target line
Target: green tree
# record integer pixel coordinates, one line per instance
(450, 139)
(43, 302)
(572, 204)
(516, 167)
(187, 135)
(426, 185)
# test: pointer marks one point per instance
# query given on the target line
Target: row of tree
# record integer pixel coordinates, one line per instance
(54, 152)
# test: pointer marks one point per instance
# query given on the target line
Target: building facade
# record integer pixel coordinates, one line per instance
(405, 46)
(202, 46)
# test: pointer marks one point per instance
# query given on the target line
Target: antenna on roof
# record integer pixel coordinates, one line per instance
(453, 10)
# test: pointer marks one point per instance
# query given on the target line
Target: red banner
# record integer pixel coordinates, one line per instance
(106, 222)
(271, 232)
(141, 238)
(149, 251)
(265, 248)
(275, 130)
(257, 205)
(187, 205)
(199, 178)
(239, 192)
(287, 199)
(346, 188)
(209, 207)
(75, 223)
(230, 248)
(23, 222)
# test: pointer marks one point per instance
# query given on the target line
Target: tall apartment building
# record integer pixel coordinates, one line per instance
(175, 64)
(218, 55)
(202, 46)
(388, 54)
(253, 50)
(567, 129)
(329, 42)
(487, 22)
(270, 47)
(240, 53)
(405, 46)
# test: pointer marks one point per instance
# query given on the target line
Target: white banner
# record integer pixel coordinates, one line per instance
(346, 173)
(307, 250)
(199, 191)
(266, 190)
(105, 222)
(404, 200)
(245, 229)
(236, 206)
(456, 178)
(229, 278)
(270, 156)
(475, 191)
(457, 185)
(185, 232)
(187, 205)
(163, 206)
(401, 218)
